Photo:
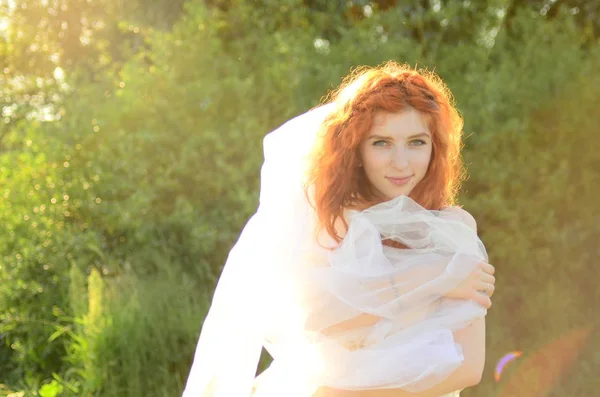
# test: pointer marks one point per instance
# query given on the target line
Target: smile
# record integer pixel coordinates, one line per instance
(399, 181)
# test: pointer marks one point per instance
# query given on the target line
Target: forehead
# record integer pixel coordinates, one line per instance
(405, 123)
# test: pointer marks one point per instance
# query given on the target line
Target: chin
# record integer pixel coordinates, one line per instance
(395, 196)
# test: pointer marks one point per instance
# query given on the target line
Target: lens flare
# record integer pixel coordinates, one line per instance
(503, 361)
(539, 372)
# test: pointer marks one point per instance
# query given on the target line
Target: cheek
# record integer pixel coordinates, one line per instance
(423, 160)
(372, 159)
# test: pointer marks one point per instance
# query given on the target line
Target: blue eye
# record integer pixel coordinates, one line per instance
(419, 142)
(380, 143)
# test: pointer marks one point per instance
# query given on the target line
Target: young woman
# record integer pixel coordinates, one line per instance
(357, 272)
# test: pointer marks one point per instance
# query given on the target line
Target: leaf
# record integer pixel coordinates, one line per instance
(51, 389)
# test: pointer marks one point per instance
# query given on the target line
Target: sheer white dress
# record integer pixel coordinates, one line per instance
(283, 289)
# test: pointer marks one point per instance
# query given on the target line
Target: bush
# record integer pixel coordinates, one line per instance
(119, 216)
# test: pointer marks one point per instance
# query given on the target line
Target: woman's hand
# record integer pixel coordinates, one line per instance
(479, 286)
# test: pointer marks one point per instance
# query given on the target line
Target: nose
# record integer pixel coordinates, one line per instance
(399, 158)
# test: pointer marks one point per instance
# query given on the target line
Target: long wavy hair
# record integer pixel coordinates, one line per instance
(336, 181)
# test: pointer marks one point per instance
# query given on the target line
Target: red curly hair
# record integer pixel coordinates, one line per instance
(335, 180)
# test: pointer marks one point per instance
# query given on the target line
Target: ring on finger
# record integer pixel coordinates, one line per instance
(486, 289)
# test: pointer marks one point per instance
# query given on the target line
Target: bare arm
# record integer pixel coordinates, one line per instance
(472, 341)
(414, 278)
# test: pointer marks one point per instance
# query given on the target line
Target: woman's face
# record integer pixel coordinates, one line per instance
(396, 153)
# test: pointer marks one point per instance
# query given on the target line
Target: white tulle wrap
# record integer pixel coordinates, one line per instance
(361, 316)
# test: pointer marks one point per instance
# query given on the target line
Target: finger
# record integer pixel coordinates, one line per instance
(488, 302)
(488, 278)
(485, 288)
(482, 299)
(486, 268)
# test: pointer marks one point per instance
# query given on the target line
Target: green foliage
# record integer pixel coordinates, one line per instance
(51, 389)
(133, 338)
(33, 245)
(538, 189)
(119, 214)
(149, 324)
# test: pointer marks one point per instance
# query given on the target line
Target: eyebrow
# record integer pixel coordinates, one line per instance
(422, 134)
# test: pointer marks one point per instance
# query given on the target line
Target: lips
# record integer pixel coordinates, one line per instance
(399, 181)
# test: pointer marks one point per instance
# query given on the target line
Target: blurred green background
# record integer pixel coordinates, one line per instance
(130, 149)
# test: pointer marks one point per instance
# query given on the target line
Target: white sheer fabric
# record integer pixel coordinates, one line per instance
(362, 316)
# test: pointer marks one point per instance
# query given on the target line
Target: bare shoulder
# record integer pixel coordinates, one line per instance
(462, 215)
